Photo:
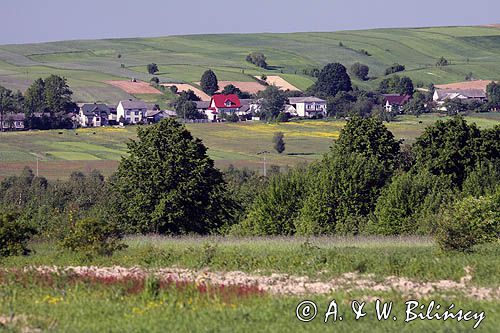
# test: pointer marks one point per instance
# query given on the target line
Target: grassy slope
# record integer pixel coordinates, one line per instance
(62, 152)
(184, 58)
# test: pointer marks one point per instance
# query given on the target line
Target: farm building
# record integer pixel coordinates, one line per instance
(154, 116)
(131, 112)
(308, 106)
(441, 95)
(223, 104)
(93, 115)
(13, 121)
(395, 101)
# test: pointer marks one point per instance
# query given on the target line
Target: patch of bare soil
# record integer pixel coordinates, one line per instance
(284, 284)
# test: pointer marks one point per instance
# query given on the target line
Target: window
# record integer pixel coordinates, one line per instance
(136, 113)
(128, 113)
(136, 120)
(97, 119)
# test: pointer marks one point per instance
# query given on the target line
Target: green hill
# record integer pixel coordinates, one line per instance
(88, 63)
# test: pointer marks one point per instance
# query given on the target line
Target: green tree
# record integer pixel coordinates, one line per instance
(231, 89)
(332, 79)
(340, 105)
(417, 105)
(258, 59)
(188, 110)
(442, 62)
(368, 137)
(279, 142)
(57, 95)
(14, 235)
(397, 85)
(169, 185)
(448, 148)
(273, 101)
(209, 83)
(6, 104)
(394, 69)
(152, 68)
(35, 98)
(493, 93)
(360, 71)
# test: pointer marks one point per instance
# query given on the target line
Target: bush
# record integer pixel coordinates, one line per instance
(93, 236)
(14, 236)
(468, 222)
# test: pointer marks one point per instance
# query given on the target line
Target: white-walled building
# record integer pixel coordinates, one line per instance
(308, 106)
(131, 112)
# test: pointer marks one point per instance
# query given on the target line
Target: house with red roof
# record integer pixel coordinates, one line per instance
(395, 101)
(222, 104)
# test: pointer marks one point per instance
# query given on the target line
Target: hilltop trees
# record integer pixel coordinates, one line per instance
(332, 79)
(152, 68)
(209, 83)
(397, 85)
(360, 71)
(258, 59)
(169, 185)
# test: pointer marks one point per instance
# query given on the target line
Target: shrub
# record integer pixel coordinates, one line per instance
(93, 236)
(468, 222)
(14, 235)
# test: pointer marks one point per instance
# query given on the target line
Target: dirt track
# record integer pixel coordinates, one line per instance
(283, 284)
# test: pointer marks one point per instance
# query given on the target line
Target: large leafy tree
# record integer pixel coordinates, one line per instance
(152, 68)
(397, 85)
(272, 103)
(169, 185)
(209, 83)
(332, 79)
(57, 95)
(360, 71)
(34, 98)
(187, 110)
(449, 148)
(493, 93)
(6, 104)
(368, 136)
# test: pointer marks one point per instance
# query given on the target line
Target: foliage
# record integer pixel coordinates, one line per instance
(360, 71)
(468, 222)
(209, 83)
(6, 104)
(275, 209)
(169, 185)
(396, 85)
(14, 235)
(231, 89)
(368, 137)
(273, 101)
(448, 148)
(493, 93)
(332, 79)
(258, 59)
(419, 104)
(340, 105)
(279, 142)
(188, 95)
(394, 69)
(409, 202)
(92, 236)
(155, 80)
(442, 62)
(152, 68)
(187, 110)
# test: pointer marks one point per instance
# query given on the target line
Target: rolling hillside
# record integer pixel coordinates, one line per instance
(87, 64)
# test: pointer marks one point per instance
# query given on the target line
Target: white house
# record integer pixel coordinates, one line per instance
(222, 104)
(308, 106)
(131, 112)
(93, 115)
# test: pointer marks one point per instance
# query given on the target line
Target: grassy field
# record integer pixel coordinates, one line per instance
(61, 152)
(184, 58)
(92, 299)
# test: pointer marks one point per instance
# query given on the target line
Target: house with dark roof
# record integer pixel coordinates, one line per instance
(13, 121)
(131, 111)
(93, 115)
(395, 102)
(223, 104)
(308, 106)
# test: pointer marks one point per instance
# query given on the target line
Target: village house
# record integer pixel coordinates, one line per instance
(155, 116)
(13, 121)
(441, 95)
(395, 102)
(93, 115)
(308, 107)
(222, 104)
(131, 112)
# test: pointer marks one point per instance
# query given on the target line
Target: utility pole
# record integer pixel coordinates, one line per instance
(265, 165)
(37, 167)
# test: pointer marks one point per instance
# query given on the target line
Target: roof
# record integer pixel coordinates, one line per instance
(222, 100)
(453, 93)
(245, 108)
(90, 109)
(152, 113)
(14, 117)
(395, 99)
(202, 104)
(130, 104)
(308, 99)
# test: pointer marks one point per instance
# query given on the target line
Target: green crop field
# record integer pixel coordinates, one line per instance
(87, 64)
(60, 152)
(218, 284)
